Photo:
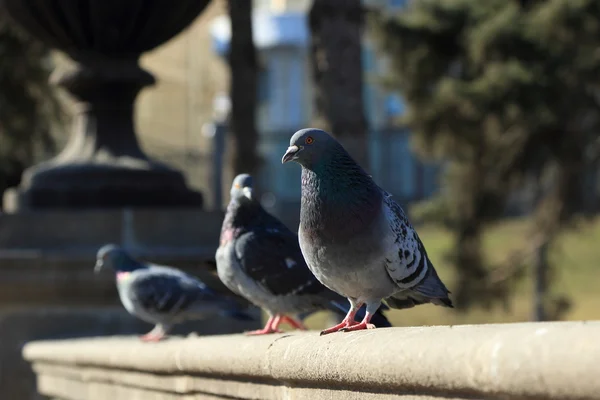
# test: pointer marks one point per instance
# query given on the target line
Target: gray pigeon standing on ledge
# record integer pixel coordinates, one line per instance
(161, 295)
(355, 238)
(259, 258)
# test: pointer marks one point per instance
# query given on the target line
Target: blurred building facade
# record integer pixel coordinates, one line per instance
(192, 70)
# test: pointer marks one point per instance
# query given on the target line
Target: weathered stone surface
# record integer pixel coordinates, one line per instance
(18, 326)
(508, 361)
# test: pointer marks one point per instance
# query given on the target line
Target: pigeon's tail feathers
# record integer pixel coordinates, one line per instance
(379, 319)
(409, 299)
(430, 290)
(433, 287)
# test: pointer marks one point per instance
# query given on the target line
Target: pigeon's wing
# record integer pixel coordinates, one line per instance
(162, 292)
(272, 257)
(406, 260)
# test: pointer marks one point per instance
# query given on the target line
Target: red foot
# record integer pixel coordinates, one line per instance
(151, 338)
(342, 325)
(270, 327)
(358, 327)
(273, 323)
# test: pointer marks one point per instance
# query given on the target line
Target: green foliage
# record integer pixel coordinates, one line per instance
(28, 105)
(500, 92)
(434, 210)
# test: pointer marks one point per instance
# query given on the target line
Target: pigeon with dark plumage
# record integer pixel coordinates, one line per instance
(162, 295)
(354, 237)
(259, 258)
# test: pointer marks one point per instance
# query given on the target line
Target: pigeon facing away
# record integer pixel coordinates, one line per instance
(259, 258)
(355, 238)
(161, 295)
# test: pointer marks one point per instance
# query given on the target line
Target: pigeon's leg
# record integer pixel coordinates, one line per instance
(365, 323)
(293, 322)
(155, 335)
(270, 327)
(348, 319)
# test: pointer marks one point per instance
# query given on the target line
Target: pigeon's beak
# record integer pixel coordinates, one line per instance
(290, 154)
(247, 191)
(98, 266)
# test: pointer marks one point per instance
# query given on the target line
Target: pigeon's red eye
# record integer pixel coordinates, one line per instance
(309, 140)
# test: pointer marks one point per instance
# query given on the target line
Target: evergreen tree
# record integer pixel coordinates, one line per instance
(29, 108)
(500, 90)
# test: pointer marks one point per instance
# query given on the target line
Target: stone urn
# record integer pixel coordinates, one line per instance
(102, 166)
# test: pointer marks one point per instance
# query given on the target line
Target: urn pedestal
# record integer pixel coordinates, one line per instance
(102, 165)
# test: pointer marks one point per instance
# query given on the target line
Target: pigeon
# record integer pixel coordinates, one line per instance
(161, 295)
(259, 258)
(354, 237)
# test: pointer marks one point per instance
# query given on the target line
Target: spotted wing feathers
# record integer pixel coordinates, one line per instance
(408, 265)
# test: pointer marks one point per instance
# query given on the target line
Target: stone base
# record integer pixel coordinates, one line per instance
(98, 186)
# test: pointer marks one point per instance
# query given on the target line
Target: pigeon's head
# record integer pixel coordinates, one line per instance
(242, 187)
(112, 257)
(310, 146)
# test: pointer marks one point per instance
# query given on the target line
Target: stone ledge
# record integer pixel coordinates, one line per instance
(504, 361)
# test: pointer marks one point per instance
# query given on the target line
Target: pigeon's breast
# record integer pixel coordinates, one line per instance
(130, 302)
(233, 276)
(354, 267)
(227, 267)
(127, 302)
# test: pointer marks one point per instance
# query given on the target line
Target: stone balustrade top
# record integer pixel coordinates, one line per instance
(502, 361)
